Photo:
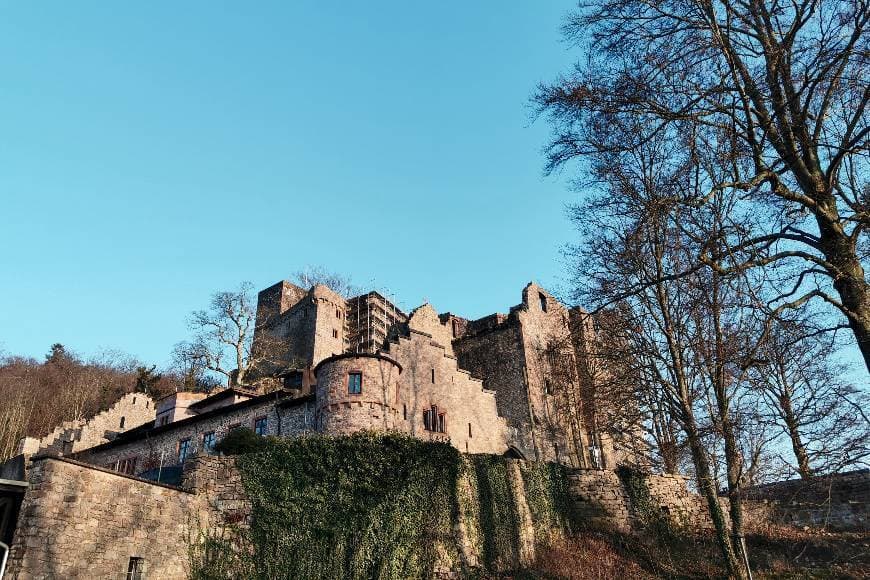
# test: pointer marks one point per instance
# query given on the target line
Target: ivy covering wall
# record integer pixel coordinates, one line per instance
(384, 506)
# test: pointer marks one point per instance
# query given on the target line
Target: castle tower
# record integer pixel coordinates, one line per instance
(357, 391)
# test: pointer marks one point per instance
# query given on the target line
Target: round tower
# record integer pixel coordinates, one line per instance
(356, 392)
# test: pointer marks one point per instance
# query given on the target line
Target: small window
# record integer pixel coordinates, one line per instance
(134, 400)
(548, 387)
(405, 412)
(208, 441)
(543, 300)
(183, 450)
(260, 426)
(354, 383)
(293, 380)
(127, 466)
(469, 430)
(433, 375)
(136, 568)
(455, 328)
(337, 313)
(434, 421)
(123, 420)
(147, 404)
(233, 427)
(334, 333)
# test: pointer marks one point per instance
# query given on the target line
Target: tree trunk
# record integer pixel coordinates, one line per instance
(849, 279)
(797, 444)
(707, 487)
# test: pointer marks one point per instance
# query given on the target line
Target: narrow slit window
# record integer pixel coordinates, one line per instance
(469, 430)
(433, 375)
(405, 412)
(354, 383)
(334, 333)
(123, 420)
(543, 300)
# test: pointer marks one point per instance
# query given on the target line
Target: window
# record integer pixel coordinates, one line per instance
(183, 450)
(208, 441)
(293, 380)
(337, 313)
(354, 383)
(136, 568)
(405, 412)
(433, 375)
(127, 466)
(548, 388)
(121, 426)
(434, 421)
(233, 427)
(334, 333)
(543, 300)
(260, 426)
(469, 430)
(134, 400)
(455, 328)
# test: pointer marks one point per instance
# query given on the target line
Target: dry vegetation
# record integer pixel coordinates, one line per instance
(776, 553)
(39, 395)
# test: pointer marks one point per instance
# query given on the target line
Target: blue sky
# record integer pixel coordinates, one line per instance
(152, 153)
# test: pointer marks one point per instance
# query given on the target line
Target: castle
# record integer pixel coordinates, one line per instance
(508, 384)
(504, 384)
(127, 489)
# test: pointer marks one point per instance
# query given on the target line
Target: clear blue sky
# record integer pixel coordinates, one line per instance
(154, 152)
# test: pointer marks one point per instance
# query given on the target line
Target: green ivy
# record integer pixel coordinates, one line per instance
(647, 511)
(383, 506)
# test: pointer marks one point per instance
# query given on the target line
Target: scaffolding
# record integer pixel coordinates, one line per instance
(370, 320)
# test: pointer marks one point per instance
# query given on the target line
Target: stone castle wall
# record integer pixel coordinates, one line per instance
(840, 501)
(78, 521)
(527, 358)
(340, 412)
(431, 379)
(602, 499)
(283, 418)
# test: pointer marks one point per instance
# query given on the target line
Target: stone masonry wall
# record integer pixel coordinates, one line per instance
(135, 408)
(147, 450)
(431, 377)
(78, 521)
(602, 500)
(839, 501)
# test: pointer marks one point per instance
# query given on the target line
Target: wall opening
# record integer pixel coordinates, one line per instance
(123, 420)
(136, 568)
(354, 383)
(543, 300)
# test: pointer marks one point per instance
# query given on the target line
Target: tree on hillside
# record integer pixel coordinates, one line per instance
(37, 396)
(779, 89)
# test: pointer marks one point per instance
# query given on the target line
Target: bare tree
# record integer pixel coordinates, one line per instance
(802, 394)
(222, 339)
(783, 85)
(686, 325)
(312, 275)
